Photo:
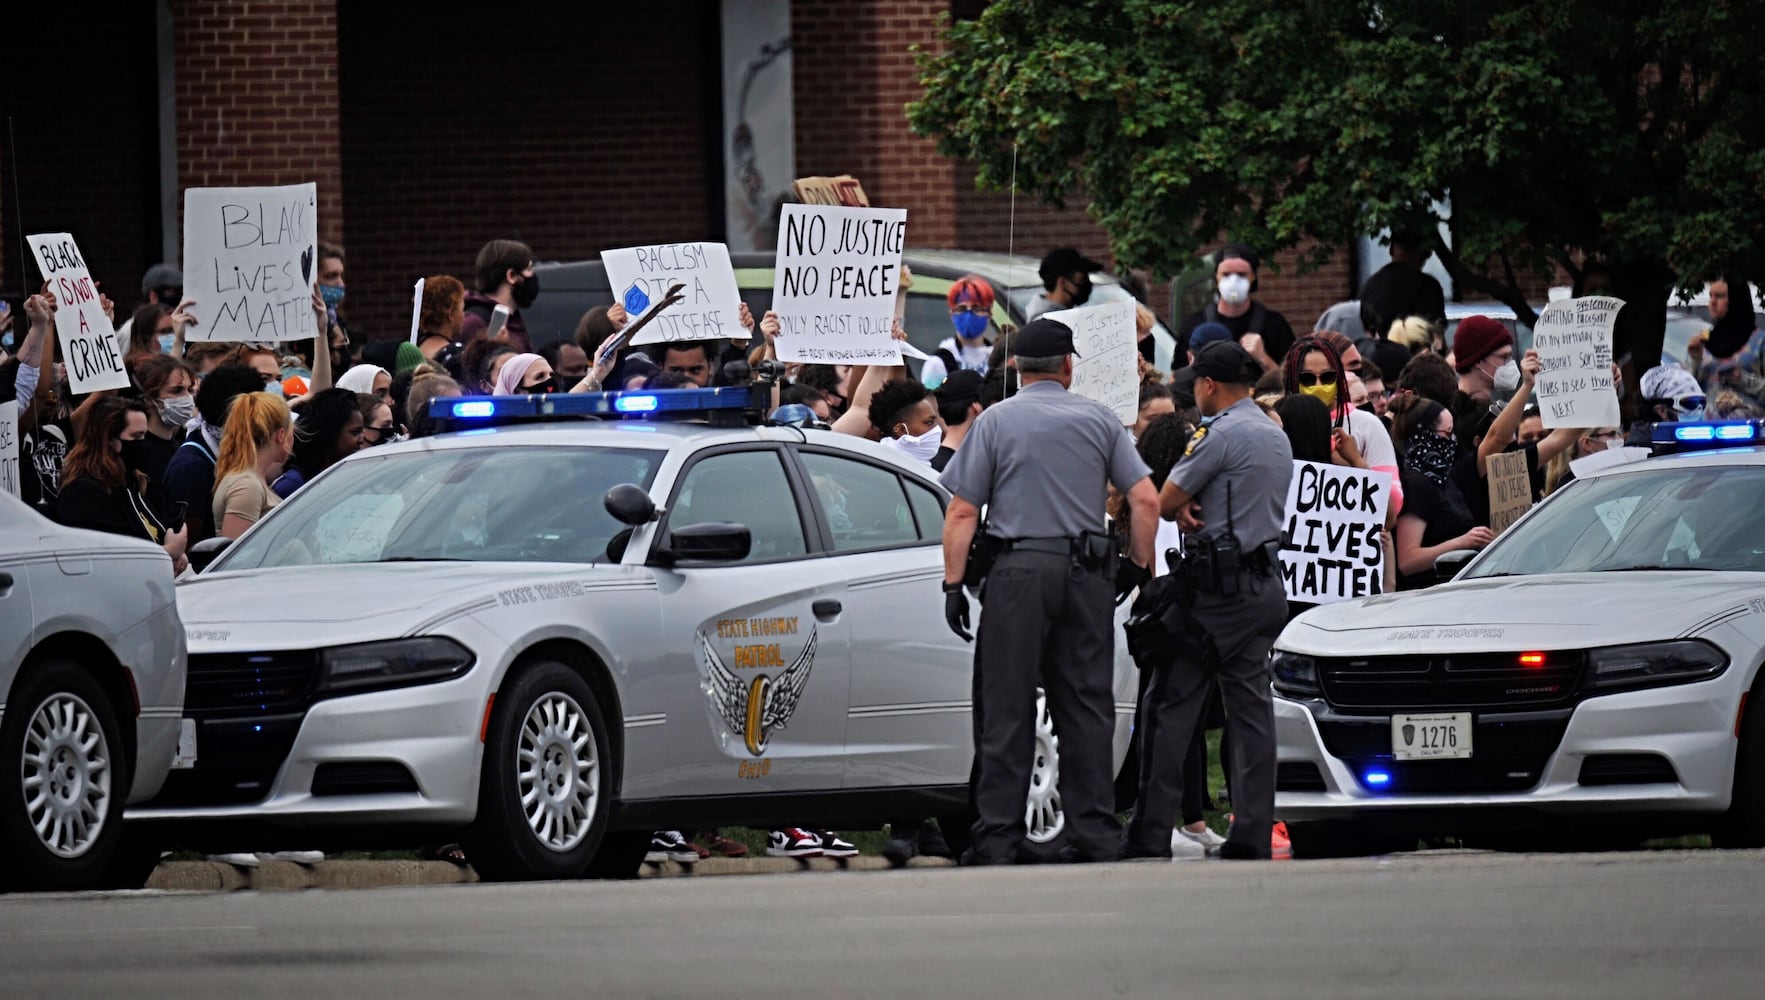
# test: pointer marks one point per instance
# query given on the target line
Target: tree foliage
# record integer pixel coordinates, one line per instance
(1632, 131)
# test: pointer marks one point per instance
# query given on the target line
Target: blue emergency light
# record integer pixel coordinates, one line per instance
(682, 403)
(1699, 435)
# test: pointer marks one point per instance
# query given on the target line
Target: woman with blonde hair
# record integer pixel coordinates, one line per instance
(1414, 333)
(256, 442)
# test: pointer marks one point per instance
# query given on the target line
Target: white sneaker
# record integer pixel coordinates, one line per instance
(239, 860)
(793, 842)
(670, 845)
(1186, 849)
(299, 857)
(1207, 840)
(833, 847)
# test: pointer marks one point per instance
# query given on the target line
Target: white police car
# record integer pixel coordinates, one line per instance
(553, 638)
(1594, 673)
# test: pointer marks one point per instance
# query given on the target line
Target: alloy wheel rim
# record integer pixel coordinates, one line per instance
(1043, 815)
(557, 771)
(66, 771)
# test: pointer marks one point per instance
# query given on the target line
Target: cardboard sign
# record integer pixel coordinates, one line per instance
(250, 262)
(1573, 339)
(842, 190)
(641, 277)
(1107, 367)
(835, 283)
(1330, 551)
(9, 454)
(89, 347)
(1510, 489)
(417, 310)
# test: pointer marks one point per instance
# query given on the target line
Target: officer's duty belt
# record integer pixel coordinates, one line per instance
(1058, 546)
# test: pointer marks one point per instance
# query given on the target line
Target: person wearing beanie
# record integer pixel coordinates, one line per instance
(1261, 331)
(407, 359)
(1480, 347)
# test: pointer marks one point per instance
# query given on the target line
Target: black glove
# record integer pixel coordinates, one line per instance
(956, 610)
(1128, 575)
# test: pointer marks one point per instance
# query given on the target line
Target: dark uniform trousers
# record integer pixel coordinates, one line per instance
(1243, 628)
(1045, 621)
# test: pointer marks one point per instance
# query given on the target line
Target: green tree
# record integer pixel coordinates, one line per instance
(1630, 131)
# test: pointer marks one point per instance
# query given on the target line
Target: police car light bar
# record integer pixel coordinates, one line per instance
(1705, 434)
(683, 403)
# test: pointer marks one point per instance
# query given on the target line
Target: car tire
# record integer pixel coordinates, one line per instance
(620, 856)
(64, 768)
(542, 712)
(133, 862)
(1743, 826)
(1344, 839)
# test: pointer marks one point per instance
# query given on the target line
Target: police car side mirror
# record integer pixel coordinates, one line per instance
(206, 551)
(629, 504)
(1452, 563)
(709, 541)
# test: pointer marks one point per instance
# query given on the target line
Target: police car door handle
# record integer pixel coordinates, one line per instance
(827, 611)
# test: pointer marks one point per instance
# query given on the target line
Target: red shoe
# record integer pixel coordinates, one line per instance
(1280, 846)
(724, 847)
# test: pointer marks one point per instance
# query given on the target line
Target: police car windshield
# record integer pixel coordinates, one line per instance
(1667, 517)
(521, 504)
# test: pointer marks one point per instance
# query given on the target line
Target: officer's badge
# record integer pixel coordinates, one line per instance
(1200, 432)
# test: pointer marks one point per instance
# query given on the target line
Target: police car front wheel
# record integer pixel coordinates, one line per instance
(543, 800)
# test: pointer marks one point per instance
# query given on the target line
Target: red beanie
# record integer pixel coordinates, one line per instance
(1477, 338)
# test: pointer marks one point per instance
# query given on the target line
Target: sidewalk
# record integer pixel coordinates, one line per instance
(278, 876)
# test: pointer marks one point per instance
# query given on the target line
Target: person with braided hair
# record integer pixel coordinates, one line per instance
(1317, 367)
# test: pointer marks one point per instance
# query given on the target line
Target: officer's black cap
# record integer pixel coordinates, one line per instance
(1225, 361)
(1043, 338)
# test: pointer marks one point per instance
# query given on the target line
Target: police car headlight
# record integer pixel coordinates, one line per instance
(398, 663)
(1655, 664)
(1295, 675)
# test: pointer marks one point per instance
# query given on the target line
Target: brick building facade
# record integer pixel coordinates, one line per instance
(429, 133)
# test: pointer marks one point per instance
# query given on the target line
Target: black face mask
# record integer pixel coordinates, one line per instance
(1082, 292)
(134, 453)
(549, 385)
(526, 291)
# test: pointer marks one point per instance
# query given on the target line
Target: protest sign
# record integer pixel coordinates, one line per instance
(9, 447)
(1573, 339)
(89, 347)
(250, 260)
(1510, 489)
(1331, 551)
(835, 283)
(842, 190)
(1107, 367)
(417, 310)
(641, 276)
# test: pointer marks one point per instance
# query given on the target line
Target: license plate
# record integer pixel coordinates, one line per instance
(1431, 737)
(186, 755)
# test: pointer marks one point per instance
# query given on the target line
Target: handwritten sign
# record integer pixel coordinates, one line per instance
(834, 287)
(641, 277)
(1331, 551)
(9, 447)
(1574, 343)
(841, 190)
(250, 260)
(1510, 489)
(1107, 368)
(89, 346)
(417, 310)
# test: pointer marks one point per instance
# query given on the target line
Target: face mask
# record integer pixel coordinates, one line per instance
(526, 292)
(133, 454)
(1507, 379)
(177, 411)
(969, 325)
(1234, 289)
(1432, 456)
(166, 340)
(274, 389)
(1082, 294)
(333, 296)
(922, 448)
(1616, 444)
(549, 385)
(1325, 394)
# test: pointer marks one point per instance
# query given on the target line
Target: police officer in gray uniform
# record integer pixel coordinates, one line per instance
(1041, 463)
(1229, 495)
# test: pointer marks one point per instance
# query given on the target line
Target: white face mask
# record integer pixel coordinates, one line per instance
(1234, 289)
(177, 411)
(922, 448)
(1507, 379)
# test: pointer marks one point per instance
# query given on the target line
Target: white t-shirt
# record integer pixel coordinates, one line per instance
(934, 371)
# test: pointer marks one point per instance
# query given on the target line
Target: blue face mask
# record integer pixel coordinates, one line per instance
(166, 340)
(969, 325)
(333, 296)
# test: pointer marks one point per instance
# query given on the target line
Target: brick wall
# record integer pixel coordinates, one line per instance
(1303, 297)
(853, 76)
(571, 127)
(87, 149)
(257, 97)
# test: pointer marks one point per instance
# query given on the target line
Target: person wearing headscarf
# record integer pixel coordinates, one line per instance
(367, 380)
(524, 373)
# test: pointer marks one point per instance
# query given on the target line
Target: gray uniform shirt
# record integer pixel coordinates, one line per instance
(1042, 462)
(1243, 447)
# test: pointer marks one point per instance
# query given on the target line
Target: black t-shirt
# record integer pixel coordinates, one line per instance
(1469, 420)
(87, 503)
(1475, 488)
(42, 449)
(942, 458)
(1398, 290)
(1442, 508)
(1277, 335)
(152, 456)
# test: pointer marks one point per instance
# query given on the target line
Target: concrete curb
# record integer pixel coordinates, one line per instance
(282, 876)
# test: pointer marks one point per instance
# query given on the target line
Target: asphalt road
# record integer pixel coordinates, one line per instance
(1636, 925)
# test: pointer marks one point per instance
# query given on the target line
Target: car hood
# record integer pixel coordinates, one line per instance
(278, 608)
(1561, 611)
